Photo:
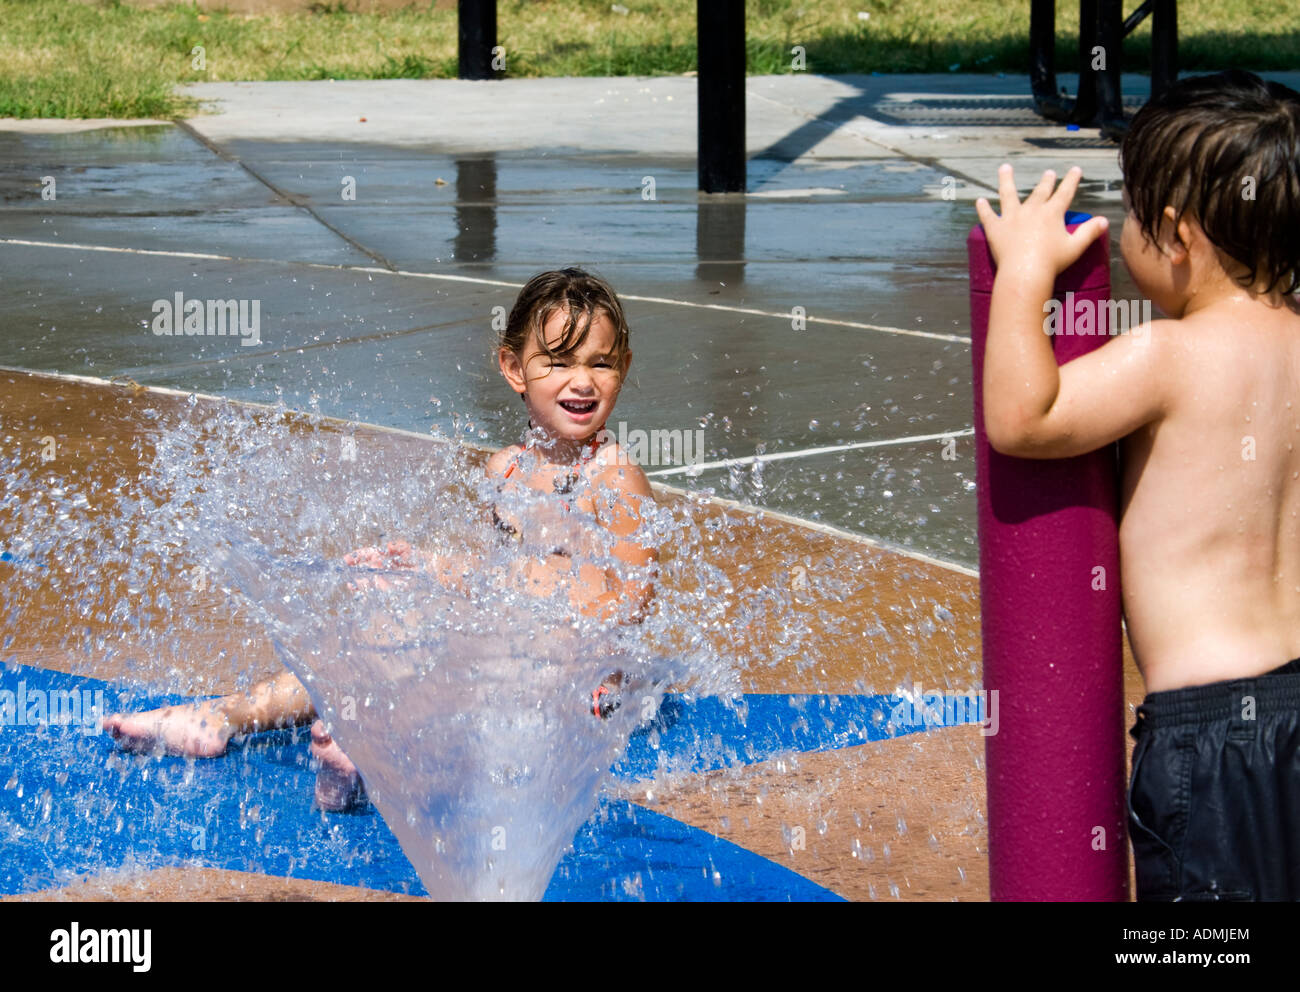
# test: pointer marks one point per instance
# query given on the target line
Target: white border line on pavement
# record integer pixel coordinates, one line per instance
(804, 452)
(379, 270)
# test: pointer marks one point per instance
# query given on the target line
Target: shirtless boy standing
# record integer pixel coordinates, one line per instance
(1206, 404)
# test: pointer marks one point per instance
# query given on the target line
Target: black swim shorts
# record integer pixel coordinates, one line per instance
(1214, 800)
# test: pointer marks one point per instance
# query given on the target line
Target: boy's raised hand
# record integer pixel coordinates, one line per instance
(1030, 237)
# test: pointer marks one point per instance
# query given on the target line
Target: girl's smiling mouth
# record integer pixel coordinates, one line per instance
(579, 408)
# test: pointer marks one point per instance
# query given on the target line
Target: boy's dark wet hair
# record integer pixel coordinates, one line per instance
(1224, 149)
(579, 293)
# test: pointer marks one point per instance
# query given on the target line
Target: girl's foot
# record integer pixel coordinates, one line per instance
(195, 730)
(338, 784)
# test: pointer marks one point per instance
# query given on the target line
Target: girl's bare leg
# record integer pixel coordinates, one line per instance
(202, 730)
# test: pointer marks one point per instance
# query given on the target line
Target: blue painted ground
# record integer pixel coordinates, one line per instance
(71, 804)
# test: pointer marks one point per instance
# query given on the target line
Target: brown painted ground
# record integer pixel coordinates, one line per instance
(204, 885)
(897, 819)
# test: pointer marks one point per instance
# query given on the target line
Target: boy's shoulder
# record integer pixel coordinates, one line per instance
(1194, 362)
(1226, 328)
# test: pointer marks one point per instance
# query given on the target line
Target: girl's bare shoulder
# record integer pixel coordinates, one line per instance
(499, 461)
(611, 468)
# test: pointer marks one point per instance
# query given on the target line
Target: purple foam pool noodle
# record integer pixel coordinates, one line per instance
(1050, 613)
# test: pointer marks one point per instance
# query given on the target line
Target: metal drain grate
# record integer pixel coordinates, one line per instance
(966, 111)
(1065, 144)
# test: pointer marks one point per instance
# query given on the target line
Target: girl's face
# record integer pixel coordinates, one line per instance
(571, 396)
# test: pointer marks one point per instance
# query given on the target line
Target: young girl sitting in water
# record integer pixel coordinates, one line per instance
(565, 351)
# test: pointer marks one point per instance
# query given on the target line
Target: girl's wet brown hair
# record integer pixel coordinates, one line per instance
(1224, 149)
(582, 296)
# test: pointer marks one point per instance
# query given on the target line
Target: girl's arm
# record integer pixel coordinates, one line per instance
(621, 492)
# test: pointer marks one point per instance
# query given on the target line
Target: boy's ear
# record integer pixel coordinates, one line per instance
(1177, 235)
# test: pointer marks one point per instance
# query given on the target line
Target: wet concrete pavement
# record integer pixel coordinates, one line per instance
(377, 225)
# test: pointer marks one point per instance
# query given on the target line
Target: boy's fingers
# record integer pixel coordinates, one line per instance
(984, 210)
(1069, 185)
(1007, 188)
(1085, 234)
(1045, 186)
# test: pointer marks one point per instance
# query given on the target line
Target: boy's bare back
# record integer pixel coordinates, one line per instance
(1210, 531)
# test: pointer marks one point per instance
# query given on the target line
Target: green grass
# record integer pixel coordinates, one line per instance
(104, 58)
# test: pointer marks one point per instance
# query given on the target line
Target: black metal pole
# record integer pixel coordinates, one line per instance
(1110, 37)
(720, 38)
(1164, 45)
(1085, 104)
(477, 25)
(1042, 60)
